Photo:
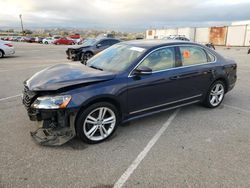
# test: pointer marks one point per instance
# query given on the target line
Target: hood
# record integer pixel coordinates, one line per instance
(65, 75)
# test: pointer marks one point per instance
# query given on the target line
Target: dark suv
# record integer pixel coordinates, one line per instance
(89, 48)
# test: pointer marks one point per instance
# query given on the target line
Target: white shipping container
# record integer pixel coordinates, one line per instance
(171, 32)
(160, 33)
(247, 38)
(150, 33)
(236, 35)
(188, 32)
(202, 35)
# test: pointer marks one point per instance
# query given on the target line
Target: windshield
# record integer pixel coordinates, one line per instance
(115, 58)
(89, 42)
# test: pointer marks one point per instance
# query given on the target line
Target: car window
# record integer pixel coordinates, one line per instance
(111, 42)
(104, 42)
(192, 55)
(211, 58)
(160, 60)
(116, 58)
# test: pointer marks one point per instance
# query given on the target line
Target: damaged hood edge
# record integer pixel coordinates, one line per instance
(66, 75)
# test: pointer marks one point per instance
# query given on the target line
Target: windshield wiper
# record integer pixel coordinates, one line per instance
(96, 68)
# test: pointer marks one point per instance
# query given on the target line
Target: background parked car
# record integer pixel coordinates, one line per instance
(47, 40)
(64, 40)
(39, 39)
(6, 48)
(29, 39)
(183, 38)
(177, 37)
(22, 39)
(89, 48)
(50, 40)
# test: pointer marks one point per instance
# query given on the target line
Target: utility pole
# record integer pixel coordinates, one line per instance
(21, 23)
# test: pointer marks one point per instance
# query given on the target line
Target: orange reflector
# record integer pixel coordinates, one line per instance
(65, 103)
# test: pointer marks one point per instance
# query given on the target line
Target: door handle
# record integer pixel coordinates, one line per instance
(210, 71)
(174, 77)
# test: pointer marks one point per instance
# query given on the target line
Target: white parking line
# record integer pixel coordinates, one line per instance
(32, 67)
(14, 96)
(237, 108)
(122, 180)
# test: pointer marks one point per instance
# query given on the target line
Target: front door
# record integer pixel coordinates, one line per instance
(159, 89)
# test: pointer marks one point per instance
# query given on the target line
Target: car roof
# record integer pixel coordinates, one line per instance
(106, 38)
(147, 44)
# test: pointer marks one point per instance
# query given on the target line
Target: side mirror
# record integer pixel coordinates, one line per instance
(98, 45)
(142, 71)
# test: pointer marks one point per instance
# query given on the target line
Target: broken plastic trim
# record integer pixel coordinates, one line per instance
(54, 136)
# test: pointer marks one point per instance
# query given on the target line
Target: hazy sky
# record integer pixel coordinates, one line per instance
(121, 14)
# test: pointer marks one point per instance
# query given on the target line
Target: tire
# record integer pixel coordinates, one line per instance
(85, 57)
(46, 42)
(1, 54)
(215, 94)
(89, 124)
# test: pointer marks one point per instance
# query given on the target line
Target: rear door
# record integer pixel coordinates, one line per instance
(196, 69)
(102, 45)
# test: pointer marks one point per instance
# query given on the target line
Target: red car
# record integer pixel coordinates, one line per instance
(64, 40)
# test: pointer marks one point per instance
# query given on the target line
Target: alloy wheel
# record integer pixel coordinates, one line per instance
(99, 123)
(216, 94)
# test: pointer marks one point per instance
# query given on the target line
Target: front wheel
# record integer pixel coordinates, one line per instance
(85, 57)
(97, 123)
(1, 54)
(215, 95)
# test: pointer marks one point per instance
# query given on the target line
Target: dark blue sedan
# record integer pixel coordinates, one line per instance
(126, 81)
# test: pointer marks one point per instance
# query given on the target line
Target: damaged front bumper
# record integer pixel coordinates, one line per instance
(55, 127)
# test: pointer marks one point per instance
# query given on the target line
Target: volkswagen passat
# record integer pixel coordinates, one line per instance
(126, 81)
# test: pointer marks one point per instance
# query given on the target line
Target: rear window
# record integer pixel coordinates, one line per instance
(192, 55)
(211, 57)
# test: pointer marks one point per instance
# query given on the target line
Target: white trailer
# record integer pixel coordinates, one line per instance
(236, 35)
(189, 32)
(150, 33)
(247, 37)
(202, 35)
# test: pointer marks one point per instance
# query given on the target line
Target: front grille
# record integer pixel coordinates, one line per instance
(28, 97)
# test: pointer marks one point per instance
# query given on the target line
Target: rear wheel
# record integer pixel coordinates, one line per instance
(97, 123)
(215, 95)
(46, 42)
(85, 57)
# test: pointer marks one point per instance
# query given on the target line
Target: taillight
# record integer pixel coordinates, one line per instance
(10, 45)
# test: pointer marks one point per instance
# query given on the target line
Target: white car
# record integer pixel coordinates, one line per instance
(50, 40)
(6, 49)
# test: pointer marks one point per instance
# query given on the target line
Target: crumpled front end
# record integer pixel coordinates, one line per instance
(55, 126)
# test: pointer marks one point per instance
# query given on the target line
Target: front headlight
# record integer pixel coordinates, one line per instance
(51, 102)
